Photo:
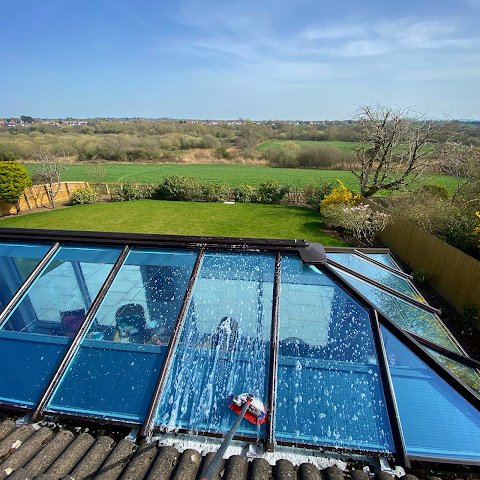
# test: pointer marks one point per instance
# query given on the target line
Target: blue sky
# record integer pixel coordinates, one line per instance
(225, 59)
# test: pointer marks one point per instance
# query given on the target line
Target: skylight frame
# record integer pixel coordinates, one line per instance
(412, 341)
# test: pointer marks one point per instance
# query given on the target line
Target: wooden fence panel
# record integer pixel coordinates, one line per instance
(456, 275)
(37, 196)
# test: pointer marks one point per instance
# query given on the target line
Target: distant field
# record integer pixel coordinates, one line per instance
(232, 175)
(344, 146)
(183, 218)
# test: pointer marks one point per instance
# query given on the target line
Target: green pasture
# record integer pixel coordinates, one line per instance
(344, 146)
(183, 218)
(232, 175)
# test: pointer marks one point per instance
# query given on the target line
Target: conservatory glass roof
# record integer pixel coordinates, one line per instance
(156, 331)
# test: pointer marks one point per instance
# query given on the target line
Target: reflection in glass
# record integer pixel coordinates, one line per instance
(376, 273)
(329, 388)
(224, 345)
(436, 420)
(114, 372)
(404, 314)
(17, 262)
(35, 335)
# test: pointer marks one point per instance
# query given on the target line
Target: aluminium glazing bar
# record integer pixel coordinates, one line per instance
(37, 412)
(148, 424)
(392, 408)
(273, 364)
(362, 255)
(28, 282)
(469, 362)
(407, 340)
(383, 287)
(150, 239)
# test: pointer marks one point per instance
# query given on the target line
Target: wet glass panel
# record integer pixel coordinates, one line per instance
(467, 374)
(17, 262)
(384, 258)
(36, 334)
(404, 314)
(377, 273)
(115, 370)
(329, 387)
(224, 345)
(436, 420)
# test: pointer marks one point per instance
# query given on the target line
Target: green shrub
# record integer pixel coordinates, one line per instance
(436, 190)
(13, 181)
(270, 191)
(314, 193)
(470, 314)
(244, 194)
(128, 191)
(83, 196)
(8, 157)
(422, 276)
(215, 192)
(187, 189)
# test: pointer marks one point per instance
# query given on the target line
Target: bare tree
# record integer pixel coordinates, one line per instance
(395, 147)
(49, 169)
(462, 163)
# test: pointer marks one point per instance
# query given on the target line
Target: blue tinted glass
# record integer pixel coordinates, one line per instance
(17, 262)
(329, 388)
(224, 345)
(38, 331)
(376, 273)
(436, 420)
(404, 314)
(116, 367)
(384, 258)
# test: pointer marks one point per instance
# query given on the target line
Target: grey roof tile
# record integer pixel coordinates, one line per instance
(20, 474)
(284, 470)
(25, 452)
(48, 454)
(260, 469)
(116, 461)
(206, 461)
(91, 462)
(6, 427)
(71, 456)
(236, 468)
(188, 465)
(141, 461)
(163, 464)
(307, 471)
(358, 475)
(14, 440)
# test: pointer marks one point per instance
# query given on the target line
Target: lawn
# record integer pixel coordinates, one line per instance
(344, 146)
(232, 175)
(183, 218)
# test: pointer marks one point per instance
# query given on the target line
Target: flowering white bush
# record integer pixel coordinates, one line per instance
(360, 220)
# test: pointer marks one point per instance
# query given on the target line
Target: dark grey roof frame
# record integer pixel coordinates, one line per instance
(404, 336)
(147, 427)
(310, 252)
(73, 347)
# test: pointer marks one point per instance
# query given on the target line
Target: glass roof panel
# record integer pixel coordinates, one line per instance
(375, 272)
(467, 374)
(224, 345)
(384, 258)
(329, 387)
(404, 314)
(115, 370)
(17, 262)
(35, 335)
(436, 420)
